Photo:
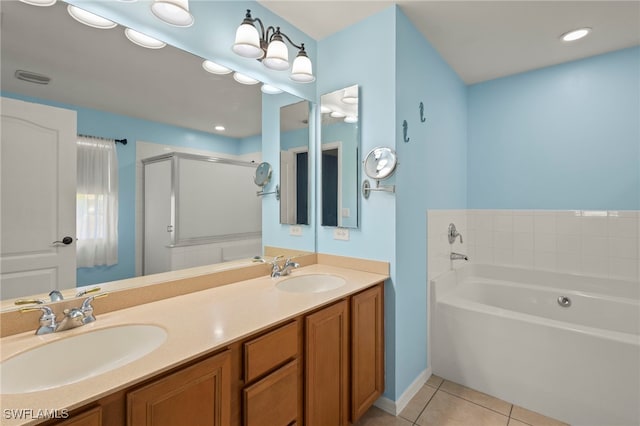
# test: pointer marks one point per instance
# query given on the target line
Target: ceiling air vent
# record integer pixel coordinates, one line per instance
(32, 77)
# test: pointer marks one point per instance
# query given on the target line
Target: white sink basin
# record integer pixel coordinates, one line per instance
(78, 357)
(311, 283)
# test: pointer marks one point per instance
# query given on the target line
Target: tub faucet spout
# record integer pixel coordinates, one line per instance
(458, 256)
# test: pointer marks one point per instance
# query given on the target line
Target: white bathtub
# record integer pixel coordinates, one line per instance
(502, 331)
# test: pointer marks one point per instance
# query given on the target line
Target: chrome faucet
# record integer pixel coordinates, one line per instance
(458, 256)
(74, 317)
(277, 271)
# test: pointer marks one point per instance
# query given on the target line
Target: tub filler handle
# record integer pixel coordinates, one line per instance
(564, 301)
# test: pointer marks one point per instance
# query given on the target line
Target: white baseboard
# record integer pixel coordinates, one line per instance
(396, 407)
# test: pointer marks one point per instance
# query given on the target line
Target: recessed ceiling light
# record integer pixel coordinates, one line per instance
(39, 2)
(143, 40)
(574, 35)
(214, 68)
(338, 114)
(351, 119)
(241, 78)
(32, 77)
(90, 19)
(270, 90)
(324, 109)
(220, 128)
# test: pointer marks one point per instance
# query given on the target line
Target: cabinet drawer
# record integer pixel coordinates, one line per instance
(269, 351)
(273, 401)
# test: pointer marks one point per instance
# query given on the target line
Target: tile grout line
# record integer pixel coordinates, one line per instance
(415, 423)
(480, 405)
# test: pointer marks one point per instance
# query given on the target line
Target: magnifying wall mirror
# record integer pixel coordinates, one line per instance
(263, 174)
(380, 163)
(340, 136)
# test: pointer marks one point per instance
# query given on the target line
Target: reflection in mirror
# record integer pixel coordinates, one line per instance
(294, 164)
(161, 100)
(340, 144)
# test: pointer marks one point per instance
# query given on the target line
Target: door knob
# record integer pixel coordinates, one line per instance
(66, 241)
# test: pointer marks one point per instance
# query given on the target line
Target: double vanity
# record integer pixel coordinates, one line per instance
(306, 348)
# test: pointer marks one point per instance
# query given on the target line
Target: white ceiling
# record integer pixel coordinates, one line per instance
(480, 40)
(483, 40)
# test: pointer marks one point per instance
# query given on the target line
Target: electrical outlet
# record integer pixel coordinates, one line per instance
(341, 234)
(295, 230)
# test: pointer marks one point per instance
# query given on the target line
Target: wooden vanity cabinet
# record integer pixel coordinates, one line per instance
(272, 395)
(327, 365)
(367, 349)
(344, 356)
(198, 395)
(325, 368)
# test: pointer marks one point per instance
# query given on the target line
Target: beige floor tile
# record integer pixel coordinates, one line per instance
(448, 410)
(435, 381)
(417, 403)
(533, 418)
(376, 417)
(514, 422)
(479, 398)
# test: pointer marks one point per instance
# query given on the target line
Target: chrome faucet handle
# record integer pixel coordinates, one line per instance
(55, 296)
(87, 309)
(47, 319)
(452, 234)
(83, 292)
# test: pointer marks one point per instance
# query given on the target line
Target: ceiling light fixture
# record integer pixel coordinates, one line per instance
(39, 2)
(220, 128)
(574, 35)
(243, 79)
(269, 47)
(214, 68)
(173, 12)
(338, 114)
(90, 19)
(270, 90)
(350, 119)
(143, 40)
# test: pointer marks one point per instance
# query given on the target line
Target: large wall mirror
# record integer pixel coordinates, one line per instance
(161, 100)
(340, 144)
(294, 164)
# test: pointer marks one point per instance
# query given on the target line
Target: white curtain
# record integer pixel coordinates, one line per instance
(97, 202)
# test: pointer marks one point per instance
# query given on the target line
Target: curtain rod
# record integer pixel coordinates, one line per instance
(122, 141)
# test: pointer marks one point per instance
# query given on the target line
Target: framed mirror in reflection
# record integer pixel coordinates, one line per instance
(294, 164)
(161, 100)
(340, 135)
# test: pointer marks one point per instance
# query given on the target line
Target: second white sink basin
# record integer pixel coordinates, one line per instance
(311, 283)
(78, 357)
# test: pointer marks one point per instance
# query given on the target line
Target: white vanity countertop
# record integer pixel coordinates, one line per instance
(196, 323)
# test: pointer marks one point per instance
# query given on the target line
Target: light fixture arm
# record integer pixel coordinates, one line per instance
(267, 34)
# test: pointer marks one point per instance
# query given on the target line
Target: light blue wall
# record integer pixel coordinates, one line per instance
(563, 137)
(431, 175)
(103, 124)
(342, 62)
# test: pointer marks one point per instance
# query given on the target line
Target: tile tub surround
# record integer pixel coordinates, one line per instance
(586, 242)
(441, 402)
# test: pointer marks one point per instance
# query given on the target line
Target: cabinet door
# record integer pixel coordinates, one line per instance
(91, 417)
(199, 395)
(273, 401)
(326, 367)
(367, 349)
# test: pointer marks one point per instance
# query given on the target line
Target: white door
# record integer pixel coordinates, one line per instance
(38, 198)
